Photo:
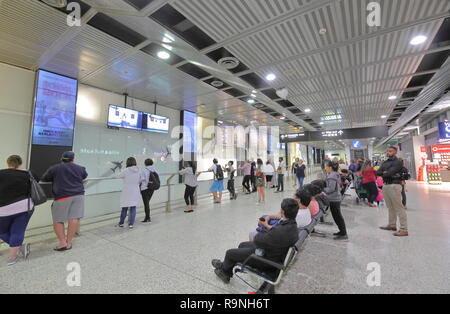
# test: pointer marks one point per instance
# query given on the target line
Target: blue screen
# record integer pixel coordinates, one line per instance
(55, 109)
(444, 130)
(356, 144)
(189, 140)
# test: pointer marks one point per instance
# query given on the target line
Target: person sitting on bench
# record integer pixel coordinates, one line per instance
(303, 218)
(275, 243)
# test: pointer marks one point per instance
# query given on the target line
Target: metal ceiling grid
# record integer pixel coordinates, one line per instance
(27, 29)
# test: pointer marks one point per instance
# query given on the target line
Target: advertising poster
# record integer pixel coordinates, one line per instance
(54, 116)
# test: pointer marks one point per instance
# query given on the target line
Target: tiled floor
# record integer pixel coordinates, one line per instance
(173, 254)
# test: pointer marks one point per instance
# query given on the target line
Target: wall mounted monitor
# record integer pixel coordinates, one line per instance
(55, 109)
(154, 123)
(119, 117)
(190, 140)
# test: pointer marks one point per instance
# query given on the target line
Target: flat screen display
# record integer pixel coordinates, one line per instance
(120, 117)
(154, 123)
(55, 110)
(190, 123)
(444, 130)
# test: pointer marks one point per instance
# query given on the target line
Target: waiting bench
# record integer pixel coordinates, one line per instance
(271, 280)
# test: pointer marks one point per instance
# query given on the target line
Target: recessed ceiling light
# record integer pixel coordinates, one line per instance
(322, 31)
(163, 55)
(56, 3)
(283, 118)
(392, 97)
(253, 95)
(251, 101)
(383, 117)
(418, 40)
(271, 77)
(308, 110)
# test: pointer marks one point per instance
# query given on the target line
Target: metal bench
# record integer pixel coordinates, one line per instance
(271, 279)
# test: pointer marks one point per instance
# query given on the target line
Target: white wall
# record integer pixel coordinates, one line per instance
(16, 102)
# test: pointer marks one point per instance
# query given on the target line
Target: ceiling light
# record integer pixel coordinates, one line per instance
(251, 101)
(392, 97)
(253, 95)
(163, 55)
(322, 31)
(383, 117)
(56, 3)
(283, 118)
(307, 110)
(321, 123)
(271, 77)
(418, 40)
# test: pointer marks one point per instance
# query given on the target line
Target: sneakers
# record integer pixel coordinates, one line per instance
(341, 238)
(131, 227)
(222, 276)
(12, 261)
(217, 264)
(388, 228)
(146, 221)
(25, 250)
(119, 226)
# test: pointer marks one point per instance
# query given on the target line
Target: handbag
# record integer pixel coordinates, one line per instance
(37, 193)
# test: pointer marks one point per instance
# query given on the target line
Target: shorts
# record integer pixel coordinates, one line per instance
(269, 178)
(217, 186)
(68, 209)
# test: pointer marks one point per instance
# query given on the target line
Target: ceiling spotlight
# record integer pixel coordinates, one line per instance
(307, 110)
(56, 3)
(253, 95)
(271, 77)
(383, 117)
(251, 101)
(418, 40)
(163, 55)
(322, 31)
(392, 97)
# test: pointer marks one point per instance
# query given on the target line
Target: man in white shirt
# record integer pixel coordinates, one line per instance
(281, 172)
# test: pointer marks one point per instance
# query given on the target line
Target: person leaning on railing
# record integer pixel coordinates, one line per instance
(16, 208)
(190, 180)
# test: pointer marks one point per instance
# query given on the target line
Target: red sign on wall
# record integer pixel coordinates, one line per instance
(423, 149)
(439, 149)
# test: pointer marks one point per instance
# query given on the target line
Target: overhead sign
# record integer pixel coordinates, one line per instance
(444, 130)
(344, 134)
(356, 144)
(440, 149)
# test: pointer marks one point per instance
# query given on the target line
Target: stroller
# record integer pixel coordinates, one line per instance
(361, 193)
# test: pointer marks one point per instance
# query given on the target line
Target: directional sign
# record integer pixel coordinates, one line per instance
(344, 134)
(356, 144)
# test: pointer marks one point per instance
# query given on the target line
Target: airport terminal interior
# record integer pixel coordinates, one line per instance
(224, 147)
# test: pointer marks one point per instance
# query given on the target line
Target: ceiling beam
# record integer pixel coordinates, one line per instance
(64, 39)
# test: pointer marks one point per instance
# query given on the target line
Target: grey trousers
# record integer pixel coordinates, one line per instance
(393, 197)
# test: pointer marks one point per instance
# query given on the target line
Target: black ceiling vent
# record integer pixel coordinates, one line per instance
(219, 84)
(433, 60)
(235, 92)
(420, 80)
(115, 29)
(153, 50)
(194, 70)
(84, 7)
(179, 24)
(443, 35)
(222, 53)
(268, 110)
(271, 93)
(139, 4)
(412, 94)
(255, 81)
(295, 110)
(285, 103)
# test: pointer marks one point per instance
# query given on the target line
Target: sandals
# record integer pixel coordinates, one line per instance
(62, 249)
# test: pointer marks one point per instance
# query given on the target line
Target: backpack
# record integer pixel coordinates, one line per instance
(153, 181)
(219, 173)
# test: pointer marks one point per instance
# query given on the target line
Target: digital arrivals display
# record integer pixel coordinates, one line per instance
(124, 118)
(154, 123)
(55, 110)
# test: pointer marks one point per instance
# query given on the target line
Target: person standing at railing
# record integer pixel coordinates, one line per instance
(151, 178)
(131, 192)
(230, 185)
(190, 180)
(217, 186)
(246, 183)
(281, 171)
(68, 190)
(16, 208)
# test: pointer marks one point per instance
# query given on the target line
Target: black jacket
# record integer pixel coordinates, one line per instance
(15, 186)
(278, 240)
(67, 179)
(390, 170)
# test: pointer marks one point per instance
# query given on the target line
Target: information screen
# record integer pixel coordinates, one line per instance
(55, 110)
(120, 117)
(153, 123)
(189, 140)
